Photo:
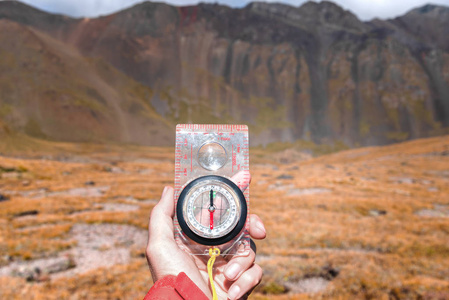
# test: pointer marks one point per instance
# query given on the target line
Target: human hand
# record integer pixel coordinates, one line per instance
(234, 277)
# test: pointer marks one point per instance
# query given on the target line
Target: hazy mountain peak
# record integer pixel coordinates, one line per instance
(429, 23)
(431, 9)
(17, 8)
(311, 14)
(331, 13)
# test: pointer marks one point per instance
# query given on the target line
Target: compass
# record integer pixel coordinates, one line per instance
(211, 210)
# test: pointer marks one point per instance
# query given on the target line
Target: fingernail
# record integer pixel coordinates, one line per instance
(232, 271)
(233, 292)
(164, 191)
(259, 225)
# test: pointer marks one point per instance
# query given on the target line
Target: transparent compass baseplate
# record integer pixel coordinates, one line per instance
(211, 150)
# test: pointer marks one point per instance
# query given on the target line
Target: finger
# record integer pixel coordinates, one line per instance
(242, 179)
(256, 227)
(161, 220)
(239, 264)
(246, 282)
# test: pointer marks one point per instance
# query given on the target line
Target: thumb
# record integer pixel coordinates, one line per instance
(166, 205)
(242, 179)
(161, 219)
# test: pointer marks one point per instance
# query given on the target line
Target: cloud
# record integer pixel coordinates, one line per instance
(370, 9)
(81, 8)
(364, 9)
(384, 9)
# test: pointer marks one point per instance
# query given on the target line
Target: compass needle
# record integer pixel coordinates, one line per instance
(211, 209)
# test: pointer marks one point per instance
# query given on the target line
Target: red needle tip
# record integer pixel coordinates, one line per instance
(211, 220)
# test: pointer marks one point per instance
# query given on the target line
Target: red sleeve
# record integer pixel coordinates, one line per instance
(175, 288)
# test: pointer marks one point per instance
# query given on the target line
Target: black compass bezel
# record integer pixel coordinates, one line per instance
(212, 241)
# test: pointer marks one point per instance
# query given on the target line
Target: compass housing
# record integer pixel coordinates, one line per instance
(229, 229)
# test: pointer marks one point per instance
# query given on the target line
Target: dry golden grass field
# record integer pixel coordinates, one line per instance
(369, 223)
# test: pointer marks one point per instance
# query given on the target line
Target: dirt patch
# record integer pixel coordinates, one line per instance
(82, 192)
(90, 191)
(308, 285)
(308, 191)
(291, 189)
(278, 186)
(39, 269)
(437, 211)
(99, 245)
(118, 207)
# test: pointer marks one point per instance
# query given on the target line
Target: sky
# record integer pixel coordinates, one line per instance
(364, 9)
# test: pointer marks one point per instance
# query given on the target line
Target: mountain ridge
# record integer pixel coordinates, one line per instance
(309, 72)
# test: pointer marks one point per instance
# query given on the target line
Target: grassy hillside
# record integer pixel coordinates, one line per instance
(370, 223)
(48, 90)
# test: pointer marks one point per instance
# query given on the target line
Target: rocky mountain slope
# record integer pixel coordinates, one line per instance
(310, 72)
(51, 91)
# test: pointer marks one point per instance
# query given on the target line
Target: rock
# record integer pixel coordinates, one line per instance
(3, 198)
(330, 272)
(377, 212)
(433, 189)
(285, 176)
(59, 265)
(405, 180)
(113, 169)
(38, 270)
(26, 213)
(89, 183)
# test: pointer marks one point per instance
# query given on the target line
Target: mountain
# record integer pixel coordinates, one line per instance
(49, 90)
(311, 72)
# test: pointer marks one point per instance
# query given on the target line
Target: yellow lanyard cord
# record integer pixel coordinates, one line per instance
(213, 252)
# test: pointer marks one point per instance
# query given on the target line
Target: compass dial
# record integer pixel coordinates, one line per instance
(211, 210)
